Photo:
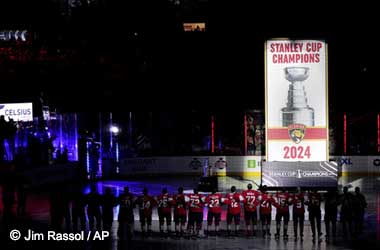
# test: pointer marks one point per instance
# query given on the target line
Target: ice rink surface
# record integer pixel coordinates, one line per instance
(38, 219)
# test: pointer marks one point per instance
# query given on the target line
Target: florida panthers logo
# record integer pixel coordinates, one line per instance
(221, 163)
(296, 132)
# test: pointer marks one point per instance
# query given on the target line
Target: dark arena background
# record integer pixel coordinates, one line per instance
(129, 124)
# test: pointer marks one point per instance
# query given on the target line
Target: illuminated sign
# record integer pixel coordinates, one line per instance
(194, 27)
(7, 35)
(299, 174)
(296, 100)
(17, 111)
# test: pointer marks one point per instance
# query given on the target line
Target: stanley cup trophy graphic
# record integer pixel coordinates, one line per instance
(297, 110)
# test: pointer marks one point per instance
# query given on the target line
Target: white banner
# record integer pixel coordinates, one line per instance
(17, 111)
(296, 100)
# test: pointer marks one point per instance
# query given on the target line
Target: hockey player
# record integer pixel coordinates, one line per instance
(146, 204)
(196, 204)
(164, 202)
(179, 201)
(126, 218)
(266, 201)
(233, 200)
(283, 200)
(331, 211)
(314, 207)
(214, 203)
(298, 213)
(251, 202)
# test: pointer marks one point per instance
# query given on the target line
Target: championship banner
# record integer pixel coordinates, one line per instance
(296, 104)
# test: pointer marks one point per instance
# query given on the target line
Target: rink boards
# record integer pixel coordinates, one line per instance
(242, 166)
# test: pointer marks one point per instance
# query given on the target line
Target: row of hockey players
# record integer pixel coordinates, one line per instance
(352, 210)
